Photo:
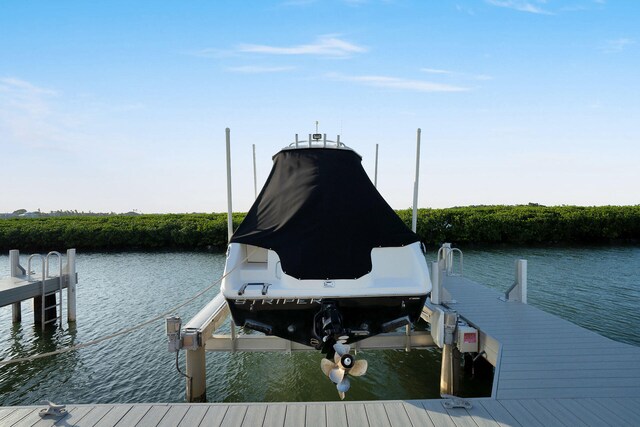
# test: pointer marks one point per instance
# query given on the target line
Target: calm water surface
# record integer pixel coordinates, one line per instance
(598, 288)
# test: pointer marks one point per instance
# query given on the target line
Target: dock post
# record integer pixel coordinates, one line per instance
(436, 285)
(71, 286)
(518, 291)
(450, 369)
(16, 270)
(196, 375)
(521, 279)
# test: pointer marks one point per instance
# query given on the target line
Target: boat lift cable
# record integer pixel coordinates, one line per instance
(122, 331)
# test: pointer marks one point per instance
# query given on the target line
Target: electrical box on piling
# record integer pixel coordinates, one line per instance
(467, 340)
(173, 325)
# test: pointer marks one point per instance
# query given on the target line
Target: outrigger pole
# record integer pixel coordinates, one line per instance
(229, 208)
(255, 178)
(375, 175)
(414, 219)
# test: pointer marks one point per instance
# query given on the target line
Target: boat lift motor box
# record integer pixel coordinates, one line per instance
(467, 339)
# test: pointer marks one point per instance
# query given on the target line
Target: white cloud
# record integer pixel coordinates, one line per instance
(465, 9)
(256, 69)
(455, 74)
(616, 45)
(27, 115)
(295, 3)
(326, 45)
(211, 52)
(521, 5)
(435, 71)
(398, 83)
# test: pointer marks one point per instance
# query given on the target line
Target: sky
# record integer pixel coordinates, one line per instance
(119, 106)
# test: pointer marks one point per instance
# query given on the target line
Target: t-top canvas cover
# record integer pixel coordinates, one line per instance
(322, 215)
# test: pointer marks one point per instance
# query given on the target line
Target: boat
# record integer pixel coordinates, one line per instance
(321, 258)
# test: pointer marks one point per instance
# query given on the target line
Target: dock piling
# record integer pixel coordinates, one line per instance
(71, 287)
(197, 375)
(518, 291)
(16, 271)
(436, 283)
(450, 370)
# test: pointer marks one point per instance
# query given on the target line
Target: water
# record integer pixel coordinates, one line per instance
(597, 288)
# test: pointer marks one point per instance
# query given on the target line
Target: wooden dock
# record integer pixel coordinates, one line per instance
(23, 285)
(18, 289)
(538, 355)
(548, 372)
(485, 412)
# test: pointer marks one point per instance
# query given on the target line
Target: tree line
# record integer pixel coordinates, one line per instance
(478, 225)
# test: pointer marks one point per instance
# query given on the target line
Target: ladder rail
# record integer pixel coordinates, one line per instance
(58, 291)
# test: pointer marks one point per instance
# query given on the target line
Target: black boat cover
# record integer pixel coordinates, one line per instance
(322, 215)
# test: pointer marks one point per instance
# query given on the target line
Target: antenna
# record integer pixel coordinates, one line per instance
(317, 136)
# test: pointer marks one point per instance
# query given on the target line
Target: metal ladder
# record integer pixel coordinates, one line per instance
(57, 292)
(446, 258)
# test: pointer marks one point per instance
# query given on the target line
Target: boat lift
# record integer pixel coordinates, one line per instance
(197, 336)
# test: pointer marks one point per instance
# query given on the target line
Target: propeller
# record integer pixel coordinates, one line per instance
(343, 363)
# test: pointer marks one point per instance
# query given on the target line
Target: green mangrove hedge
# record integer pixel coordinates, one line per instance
(484, 225)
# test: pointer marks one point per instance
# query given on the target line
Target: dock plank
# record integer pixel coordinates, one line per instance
(92, 418)
(254, 416)
(194, 416)
(15, 416)
(376, 414)
(30, 419)
(417, 414)
(560, 412)
(397, 415)
(336, 415)
(437, 413)
(234, 416)
(275, 415)
(481, 416)
(295, 416)
(316, 415)
(356, 415)
(614, 412)
(520, 413)
(173, 416)
(153, 416)
(587, 415)
(632, 403)
(112, 417)
(214, 416)
(498, 412)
